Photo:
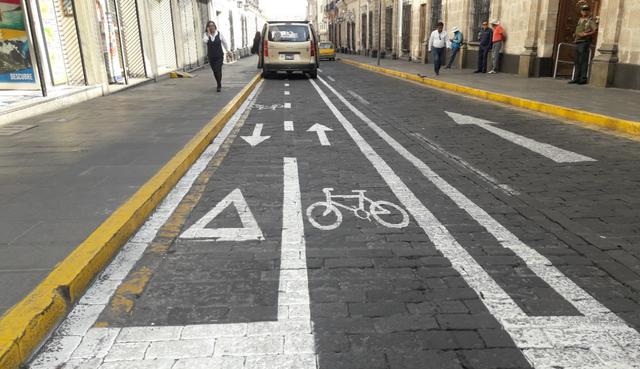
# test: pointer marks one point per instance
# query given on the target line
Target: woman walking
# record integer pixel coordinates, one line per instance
(215, 52)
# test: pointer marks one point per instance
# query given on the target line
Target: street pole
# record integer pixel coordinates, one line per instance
(379, 28)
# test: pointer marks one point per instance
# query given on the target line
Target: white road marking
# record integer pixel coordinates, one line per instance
(331, 79)
(267, 107)
(288, 125)
(250, 230)
(549, 151)
(287, 93)
(319, 70)
(287, 343)
(287, 105)
(321, 130)
(74, 337)
(358, 97)
(286, 85)
(598, 339)
(484, 176)
(256, 138)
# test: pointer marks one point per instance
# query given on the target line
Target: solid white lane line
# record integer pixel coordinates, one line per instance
(287, 93)
(287, 105)
(331, 79)
(289, 340)
(603, 339)
(288, 125)
(549, 151)
(358, 97)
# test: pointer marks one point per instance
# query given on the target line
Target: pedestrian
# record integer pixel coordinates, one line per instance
(456, 44)
(497, 44)
(485, 36)
(437, 45)
(256, 43)
(216, 50)
(585, 30)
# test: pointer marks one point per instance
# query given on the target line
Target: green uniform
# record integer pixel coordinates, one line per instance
(585, 25)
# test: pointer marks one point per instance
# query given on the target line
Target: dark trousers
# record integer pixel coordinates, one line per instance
(483, 54)
(216, 67)
(454, 52)
(582, 61)
(438, 58)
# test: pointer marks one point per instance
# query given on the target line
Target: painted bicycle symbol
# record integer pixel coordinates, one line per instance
(383, 212)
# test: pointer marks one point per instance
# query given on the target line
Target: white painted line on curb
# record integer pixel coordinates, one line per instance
(358, 97)
(288, 125)
(287, 105)
(549, 151)
(598, 339)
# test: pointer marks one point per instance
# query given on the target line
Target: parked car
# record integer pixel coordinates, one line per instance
(327, 50)
(290, 47)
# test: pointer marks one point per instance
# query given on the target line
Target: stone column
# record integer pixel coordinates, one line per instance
(94, 64)
(604, 64)
(528, 56)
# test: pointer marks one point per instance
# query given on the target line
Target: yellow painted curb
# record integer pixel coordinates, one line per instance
(620, 125)
(23, 328)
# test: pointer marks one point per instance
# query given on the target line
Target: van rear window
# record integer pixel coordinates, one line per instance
(326, 45)
(288, 33)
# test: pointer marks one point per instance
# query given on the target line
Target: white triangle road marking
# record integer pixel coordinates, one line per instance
(250, 230)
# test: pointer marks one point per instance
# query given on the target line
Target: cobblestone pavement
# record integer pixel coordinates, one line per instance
(360, 221)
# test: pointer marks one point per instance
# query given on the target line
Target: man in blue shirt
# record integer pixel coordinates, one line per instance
(486, 36)
(456, 44)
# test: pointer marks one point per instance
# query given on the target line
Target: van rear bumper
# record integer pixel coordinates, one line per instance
(289, 67)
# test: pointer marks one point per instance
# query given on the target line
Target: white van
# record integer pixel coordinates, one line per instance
(288, 46)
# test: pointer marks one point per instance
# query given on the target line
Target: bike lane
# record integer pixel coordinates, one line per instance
(234, 275)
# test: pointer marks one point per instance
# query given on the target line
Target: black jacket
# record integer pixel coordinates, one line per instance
(486, 38)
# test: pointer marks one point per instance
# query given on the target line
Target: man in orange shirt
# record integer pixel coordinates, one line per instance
(498, 44)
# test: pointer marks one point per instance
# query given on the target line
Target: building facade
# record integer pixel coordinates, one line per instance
(539, 32)
(46, 44)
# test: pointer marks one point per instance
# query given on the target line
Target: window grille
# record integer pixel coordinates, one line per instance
(481, 12)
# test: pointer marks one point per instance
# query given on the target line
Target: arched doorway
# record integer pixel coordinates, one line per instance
(568, 15)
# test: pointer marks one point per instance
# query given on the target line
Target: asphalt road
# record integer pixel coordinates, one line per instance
(471, 236)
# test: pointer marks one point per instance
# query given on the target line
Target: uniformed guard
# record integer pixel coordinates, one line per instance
(585, 30)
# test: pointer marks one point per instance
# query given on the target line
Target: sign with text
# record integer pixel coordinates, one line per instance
(16, 64)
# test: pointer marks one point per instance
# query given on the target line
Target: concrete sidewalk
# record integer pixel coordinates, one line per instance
(64, 177)
(617, 103)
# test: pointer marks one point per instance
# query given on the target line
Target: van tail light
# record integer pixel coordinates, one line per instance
(313, 49)
(266, 48)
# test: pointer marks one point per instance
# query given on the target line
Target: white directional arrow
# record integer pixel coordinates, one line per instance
(256, 138)
(321, 130)
(554, 153)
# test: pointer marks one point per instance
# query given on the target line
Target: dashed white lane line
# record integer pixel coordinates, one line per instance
(549, 151)
(331, 79)
(287, 93)
(358, 97)
(286, 343)
(288, 125)
(599, 339)
(287, 105)
(286, 85)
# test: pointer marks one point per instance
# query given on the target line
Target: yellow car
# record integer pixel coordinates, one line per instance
(327, 51)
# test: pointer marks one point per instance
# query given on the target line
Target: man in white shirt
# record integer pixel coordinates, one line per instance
(437, 45)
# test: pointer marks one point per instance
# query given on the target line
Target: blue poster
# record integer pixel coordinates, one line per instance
(16, 66)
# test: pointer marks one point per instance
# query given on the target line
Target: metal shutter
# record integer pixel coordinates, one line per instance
(128, 13)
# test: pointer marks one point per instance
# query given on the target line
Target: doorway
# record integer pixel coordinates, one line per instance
(568, 15)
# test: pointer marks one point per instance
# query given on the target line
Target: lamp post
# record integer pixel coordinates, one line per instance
(379, 28)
